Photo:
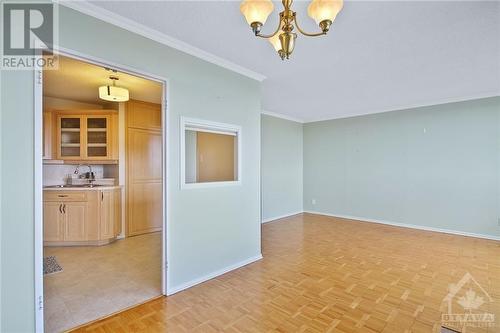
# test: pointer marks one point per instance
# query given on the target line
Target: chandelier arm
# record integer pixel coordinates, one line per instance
(306, 33)
(271, 35)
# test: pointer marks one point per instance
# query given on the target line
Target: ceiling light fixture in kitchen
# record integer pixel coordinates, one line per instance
(113, 93)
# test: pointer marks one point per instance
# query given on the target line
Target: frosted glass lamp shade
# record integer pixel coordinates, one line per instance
(113, 94)
(256, 10)
(275, 42)
(321, 10)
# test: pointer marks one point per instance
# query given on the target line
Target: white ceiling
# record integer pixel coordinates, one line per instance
(79, 81)
(378, 56)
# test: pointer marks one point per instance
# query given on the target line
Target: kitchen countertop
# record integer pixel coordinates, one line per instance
(81, 188)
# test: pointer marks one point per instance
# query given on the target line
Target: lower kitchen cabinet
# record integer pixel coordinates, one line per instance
(53, 230)
(91, 217)
(75, 221)
(110, 213)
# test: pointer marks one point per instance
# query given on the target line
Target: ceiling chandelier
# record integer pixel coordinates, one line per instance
(256, 13)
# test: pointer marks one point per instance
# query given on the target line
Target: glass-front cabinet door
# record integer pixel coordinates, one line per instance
(70, 137)
(97, 137)
(86, 137)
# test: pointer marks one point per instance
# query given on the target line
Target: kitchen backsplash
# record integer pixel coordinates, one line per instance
(56, 174)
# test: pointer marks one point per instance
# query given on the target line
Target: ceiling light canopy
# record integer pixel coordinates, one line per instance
(256, 13)
(112, 93)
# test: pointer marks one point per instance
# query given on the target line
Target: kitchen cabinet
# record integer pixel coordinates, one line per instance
(75, 221)
(74, 136)
(97, 137)
(65, 216)
(144, 174)
(70, 137)
(48, 133)
(87, 217)
(52, 222)
(110, 213)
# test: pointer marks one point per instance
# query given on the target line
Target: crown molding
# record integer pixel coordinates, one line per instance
(282, 116)
(409, 106)
(140, 29)
(392, 109)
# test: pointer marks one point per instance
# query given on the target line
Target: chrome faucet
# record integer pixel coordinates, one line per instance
(91, 177)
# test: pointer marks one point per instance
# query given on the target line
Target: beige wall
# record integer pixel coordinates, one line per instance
(61, 103)
(215, 160)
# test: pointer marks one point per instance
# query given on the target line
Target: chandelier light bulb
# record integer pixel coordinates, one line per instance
(275, 42)
(256, 11)
(324, 10)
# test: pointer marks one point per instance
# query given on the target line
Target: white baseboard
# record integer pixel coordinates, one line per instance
(189, 284)
(281, 216)
(412, 226)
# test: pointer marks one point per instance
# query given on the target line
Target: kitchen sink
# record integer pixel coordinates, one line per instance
(74, 186)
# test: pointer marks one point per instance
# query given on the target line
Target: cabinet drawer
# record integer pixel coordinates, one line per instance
(64, 196)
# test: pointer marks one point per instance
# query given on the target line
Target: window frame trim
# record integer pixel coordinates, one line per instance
(187, 123)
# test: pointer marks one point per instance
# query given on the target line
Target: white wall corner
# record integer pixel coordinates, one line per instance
(140, 29)
(192, 283)
(276, 218)
(282, 116)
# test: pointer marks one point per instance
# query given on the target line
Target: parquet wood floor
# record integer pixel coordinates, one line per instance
(324, 274)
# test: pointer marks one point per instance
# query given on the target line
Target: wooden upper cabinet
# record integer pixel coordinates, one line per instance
(98, 145)
(143, 115)
(86, 135)
(70, 137)
(47, 136)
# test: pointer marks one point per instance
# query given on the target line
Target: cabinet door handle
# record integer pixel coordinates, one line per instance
(60, 208)
(102, 196)
(64, 208)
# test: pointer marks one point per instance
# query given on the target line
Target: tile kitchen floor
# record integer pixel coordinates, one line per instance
(98, 281)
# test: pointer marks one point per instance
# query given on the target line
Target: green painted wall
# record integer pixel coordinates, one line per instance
(17, 274)
(209, 229)
(281, 167)
(436, 166)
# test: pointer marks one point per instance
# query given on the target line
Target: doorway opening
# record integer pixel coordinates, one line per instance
(102, 220)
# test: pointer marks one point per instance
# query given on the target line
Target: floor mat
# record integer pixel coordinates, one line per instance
(50, 265)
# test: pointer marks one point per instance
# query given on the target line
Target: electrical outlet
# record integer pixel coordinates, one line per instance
(313, 201)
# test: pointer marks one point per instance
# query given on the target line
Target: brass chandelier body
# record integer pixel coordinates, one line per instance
(283, 39)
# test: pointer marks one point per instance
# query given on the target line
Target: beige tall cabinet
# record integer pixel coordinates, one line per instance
(144, 195)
